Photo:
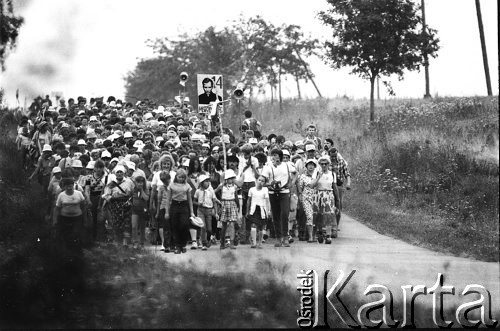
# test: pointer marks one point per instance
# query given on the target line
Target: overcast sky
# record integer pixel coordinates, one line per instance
(87, 47)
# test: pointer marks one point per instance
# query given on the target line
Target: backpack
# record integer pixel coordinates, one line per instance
(252, 124)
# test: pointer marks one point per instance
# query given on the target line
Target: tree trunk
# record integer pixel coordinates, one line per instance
(279, 85)
(483, 48)
(272, 95)
(250, 97)
(426, 58)
(298, 87)
(378, 88)
(307, 72)
(372, 98)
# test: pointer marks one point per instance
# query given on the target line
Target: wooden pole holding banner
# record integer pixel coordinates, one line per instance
(222, 138)
(221, 128)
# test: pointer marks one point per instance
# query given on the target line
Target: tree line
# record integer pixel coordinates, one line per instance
(250, 51)
(374, 38)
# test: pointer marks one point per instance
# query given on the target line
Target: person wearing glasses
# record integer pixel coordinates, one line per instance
(325, 201)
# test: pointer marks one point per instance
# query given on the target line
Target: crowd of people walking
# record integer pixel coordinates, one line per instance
(124, 173)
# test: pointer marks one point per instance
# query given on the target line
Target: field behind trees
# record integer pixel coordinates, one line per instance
(426, 171)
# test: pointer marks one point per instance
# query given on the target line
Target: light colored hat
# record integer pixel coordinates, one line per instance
(253, 141)
(161, 108)
(138, 143)
(185, 163)
(310, 147)
(65, 125)
(129, 120)
(229, 174)
(286, 152)
(196, 137)
(56, 170)
(196, 221)
(203, 178)
(128, 134)
(81, 112)
(47, 148)
(113, 137)
(299, 143)
(324, 158)
(158, 139)
(93, 119)
(130, 165)
(161, 123)
(105, 154)
(115, 159)
(90, 165)
(300, 151)
(76, 164)
(147, 116)
(81, 142)
(311, 161)
(118, 168)
(167, 114)
(206, 145)
(112, 104)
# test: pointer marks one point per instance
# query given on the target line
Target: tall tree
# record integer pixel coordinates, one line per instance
(376, 38)
(483, 47)
(9, 29)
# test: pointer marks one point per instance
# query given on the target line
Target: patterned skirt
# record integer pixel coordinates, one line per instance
(229, 211)
(324, 208)
(120, 214)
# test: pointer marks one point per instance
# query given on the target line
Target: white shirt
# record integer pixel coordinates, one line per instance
(279, 174)
(248, 175)
(205, 197)
(259, 198)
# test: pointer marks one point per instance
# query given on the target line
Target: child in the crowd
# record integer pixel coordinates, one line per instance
(164, 226)
(205, 199)
(140, 198)
(229, 210)
(258, 208)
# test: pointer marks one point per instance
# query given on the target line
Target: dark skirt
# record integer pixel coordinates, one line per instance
(256, 218)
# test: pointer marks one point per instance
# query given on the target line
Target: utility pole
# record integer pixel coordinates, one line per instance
(483, 48)
(426, 58)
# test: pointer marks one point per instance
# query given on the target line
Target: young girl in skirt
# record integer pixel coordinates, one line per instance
(229, 212)
(258, 210)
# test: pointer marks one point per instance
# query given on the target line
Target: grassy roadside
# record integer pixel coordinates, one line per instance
(426, 172)
(419, 226)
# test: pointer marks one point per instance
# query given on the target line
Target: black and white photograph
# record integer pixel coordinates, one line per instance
(258, 165)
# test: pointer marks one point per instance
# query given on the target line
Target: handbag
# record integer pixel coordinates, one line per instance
(128, 203)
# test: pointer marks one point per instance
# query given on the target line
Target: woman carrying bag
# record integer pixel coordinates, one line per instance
(117, 196)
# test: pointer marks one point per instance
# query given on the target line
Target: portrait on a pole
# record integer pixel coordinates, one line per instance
(209, 90)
